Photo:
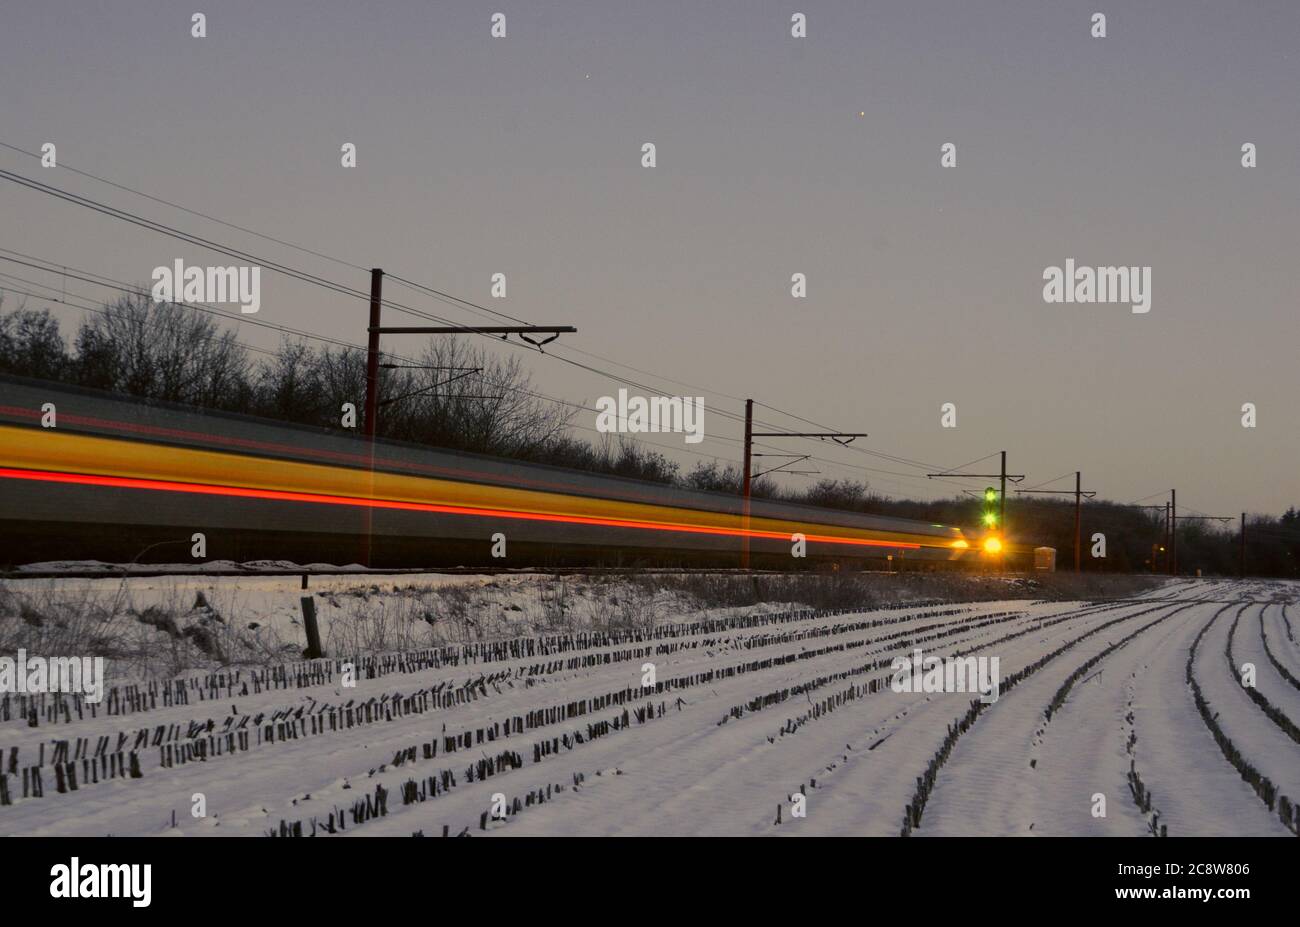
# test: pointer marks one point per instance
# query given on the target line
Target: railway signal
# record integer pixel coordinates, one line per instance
(991, 518)
(992, 543)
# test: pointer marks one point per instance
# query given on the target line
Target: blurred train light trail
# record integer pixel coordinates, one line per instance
(361, 502)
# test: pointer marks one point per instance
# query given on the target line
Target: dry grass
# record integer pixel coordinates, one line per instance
(161, 640)
(180, 632)
(872, 590)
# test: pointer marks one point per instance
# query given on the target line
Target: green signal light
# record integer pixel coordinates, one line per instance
(990, 519)
(990, 495)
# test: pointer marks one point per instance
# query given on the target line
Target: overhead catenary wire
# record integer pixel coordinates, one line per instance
(293, 273)
(79, 300)
(433, 291)
(440, 294)
(353, 292)
(90, 277)
(93, 278)
(1047, 482)
(427, 289)
(437, 293)
(68, 300)
(1159, 492)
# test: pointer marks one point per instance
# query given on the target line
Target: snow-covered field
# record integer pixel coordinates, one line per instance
(760, 722)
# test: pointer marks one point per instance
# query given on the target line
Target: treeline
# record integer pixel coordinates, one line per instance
(454, 394)
(457, 395)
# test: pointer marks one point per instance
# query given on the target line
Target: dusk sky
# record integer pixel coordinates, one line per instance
(775, 155)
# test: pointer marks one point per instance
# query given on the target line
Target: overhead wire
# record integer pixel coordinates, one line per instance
(294, 273)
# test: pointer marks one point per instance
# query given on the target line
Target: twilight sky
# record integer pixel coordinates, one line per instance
(522, 155)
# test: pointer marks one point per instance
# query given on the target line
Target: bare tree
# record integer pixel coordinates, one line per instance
(341, 375)
(162, 351)
(30, 344)
(492, 411)
(712, 476)
(838, 494)
(289, 385)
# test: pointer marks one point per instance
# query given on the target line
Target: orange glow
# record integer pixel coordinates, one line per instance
(992, 545)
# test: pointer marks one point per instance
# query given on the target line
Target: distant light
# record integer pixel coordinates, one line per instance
(992, 546)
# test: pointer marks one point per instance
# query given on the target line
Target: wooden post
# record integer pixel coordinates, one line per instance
(313, 650)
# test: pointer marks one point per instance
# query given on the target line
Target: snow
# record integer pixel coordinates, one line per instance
(717, 762)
